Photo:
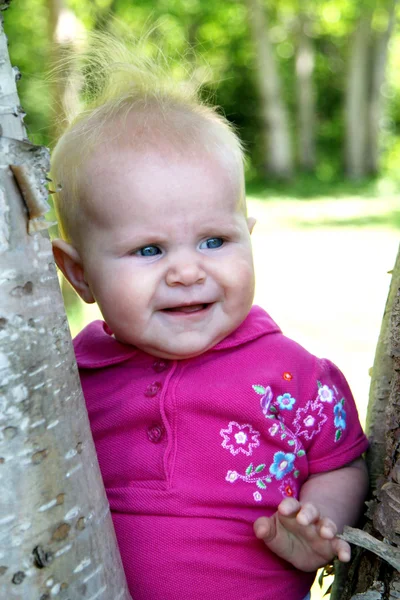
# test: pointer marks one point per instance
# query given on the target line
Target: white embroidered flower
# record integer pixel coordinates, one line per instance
(312, 410)
(309, 421)
(325, 394)
(274, 429)
(241, 437)
(231, 476)
(257, 496)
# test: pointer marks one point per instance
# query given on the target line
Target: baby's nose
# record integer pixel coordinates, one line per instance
(185, 273)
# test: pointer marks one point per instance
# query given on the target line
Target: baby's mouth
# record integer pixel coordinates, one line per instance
(192, 308)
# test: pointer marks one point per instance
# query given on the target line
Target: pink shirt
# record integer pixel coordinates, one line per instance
(193, 451)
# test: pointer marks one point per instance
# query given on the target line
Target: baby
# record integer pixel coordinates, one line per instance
(230, 455)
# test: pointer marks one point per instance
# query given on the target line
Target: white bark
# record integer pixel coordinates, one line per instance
(56, 531)
(356, 105)
(275, 121)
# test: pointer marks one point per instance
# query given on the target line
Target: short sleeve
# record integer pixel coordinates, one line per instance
(326, 421)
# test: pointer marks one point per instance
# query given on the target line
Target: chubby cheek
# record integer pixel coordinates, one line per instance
(119, 292)
(240, 280)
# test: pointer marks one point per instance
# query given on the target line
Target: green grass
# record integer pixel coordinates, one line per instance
(308, 203)
(307, 187)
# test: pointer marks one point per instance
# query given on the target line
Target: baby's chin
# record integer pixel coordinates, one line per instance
(180, 351)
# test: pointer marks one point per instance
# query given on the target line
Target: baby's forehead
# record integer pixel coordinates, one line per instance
(119, 177)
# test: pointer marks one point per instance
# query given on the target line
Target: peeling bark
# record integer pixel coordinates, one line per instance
(56, 533)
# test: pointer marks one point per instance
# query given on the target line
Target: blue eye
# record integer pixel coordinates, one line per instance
(212, 243)
(149, 251)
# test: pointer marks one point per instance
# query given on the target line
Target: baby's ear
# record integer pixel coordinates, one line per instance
(70, 263)
(251, 221)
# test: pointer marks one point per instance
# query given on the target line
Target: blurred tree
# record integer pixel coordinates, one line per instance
(366, 76)
(357, 93)
(275, 120)
(56, 531)
(306, 106)
(382, 27)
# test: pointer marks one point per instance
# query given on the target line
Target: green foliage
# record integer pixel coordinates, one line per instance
(218, 33)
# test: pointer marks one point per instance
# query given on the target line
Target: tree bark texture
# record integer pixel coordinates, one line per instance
(356, 102)
(373, 573)
(56, 533)
(274, 115)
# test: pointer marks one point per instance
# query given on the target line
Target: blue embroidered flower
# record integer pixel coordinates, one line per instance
(340, 416)
(286, 401)
(282, 465)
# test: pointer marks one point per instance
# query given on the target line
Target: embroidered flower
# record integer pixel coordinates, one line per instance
(282, 465)
(288, 488)
(257, 496)
(231, 476)
(310, 419)
(274, 429)
(286, 401)
(267, 396)
(340, 416)
(240, 438)
(325, 394)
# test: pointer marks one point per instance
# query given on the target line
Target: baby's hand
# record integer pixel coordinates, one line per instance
(299, 534)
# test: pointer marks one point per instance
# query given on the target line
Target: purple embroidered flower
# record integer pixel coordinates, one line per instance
(257, 496)
(267, 396)
(340, 416)
(325, 394)
(231, 476)
(310, 419)
(282, 465)
(240, 438)
(274, 429)
(286, 401)
(288, 488)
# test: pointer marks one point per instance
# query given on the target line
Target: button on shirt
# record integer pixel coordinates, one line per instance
(193, 451)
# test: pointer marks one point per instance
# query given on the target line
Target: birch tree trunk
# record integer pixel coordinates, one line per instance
(305, 61)
(376, 101)
(374, 572)
(356, 102)
(56, 533)
(275, 121)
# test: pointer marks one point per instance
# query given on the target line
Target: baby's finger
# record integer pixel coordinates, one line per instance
(342, 549)
(289, 507)
(327, 528)
(308, 514)
(263, 528)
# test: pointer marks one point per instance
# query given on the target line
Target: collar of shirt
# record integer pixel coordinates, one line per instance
(95, 347)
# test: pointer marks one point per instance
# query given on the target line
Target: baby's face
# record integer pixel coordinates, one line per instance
(166, 250)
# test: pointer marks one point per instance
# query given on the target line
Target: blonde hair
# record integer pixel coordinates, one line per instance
(121, 82)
